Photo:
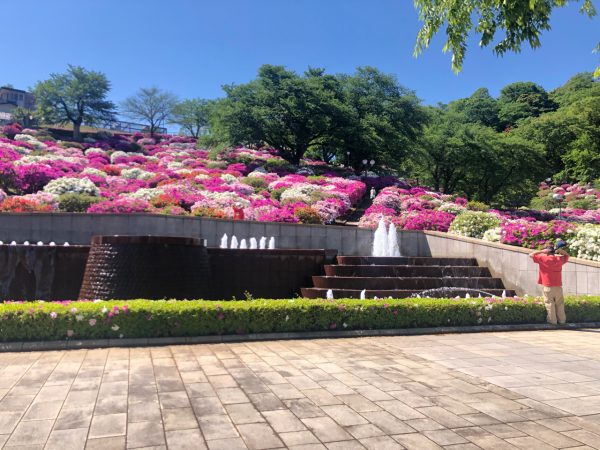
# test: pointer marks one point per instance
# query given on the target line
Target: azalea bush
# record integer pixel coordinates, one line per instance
(169, 175)
(535, 235)
(473, 224)
(585, 242)
(31, 321)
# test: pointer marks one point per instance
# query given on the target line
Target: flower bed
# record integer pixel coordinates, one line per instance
(34, 321)
(169, 175)
(421, 209)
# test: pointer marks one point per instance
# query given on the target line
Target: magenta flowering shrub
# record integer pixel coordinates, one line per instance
(534, 235)
(426, 220)
(121, 206)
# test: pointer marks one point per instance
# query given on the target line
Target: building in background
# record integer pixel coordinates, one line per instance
(11, 98)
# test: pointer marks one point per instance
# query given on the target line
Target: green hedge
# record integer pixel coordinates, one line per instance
(28, 321)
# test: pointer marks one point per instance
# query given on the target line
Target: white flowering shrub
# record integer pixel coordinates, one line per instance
(473, 224)
(146, 193)
(42, 159)
(136, 174)
(72, 186)
(452, 208)
(117, 154)
(585, 242)
(31, 141)
(493, 234)
(95, 172)
(94, 151)
(228, 178)
(299, 193)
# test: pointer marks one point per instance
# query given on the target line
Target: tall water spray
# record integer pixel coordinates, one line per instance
(224, 240)
(363, 294)
(243, 244)
(272, 243)
(329, 294)
(262, 243)
(380, 240)
(253, 243)
(234, 242)
(392, 243)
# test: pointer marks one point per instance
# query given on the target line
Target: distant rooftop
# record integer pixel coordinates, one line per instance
(13, 89)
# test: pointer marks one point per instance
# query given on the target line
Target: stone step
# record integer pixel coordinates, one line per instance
(396, 293)
(404, 261)
(406, 271)
(416, 283)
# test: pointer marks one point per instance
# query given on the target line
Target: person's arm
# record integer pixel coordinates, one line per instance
(564, 254)
(537, 252)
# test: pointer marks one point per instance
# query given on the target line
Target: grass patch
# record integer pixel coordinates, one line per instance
(44, 321)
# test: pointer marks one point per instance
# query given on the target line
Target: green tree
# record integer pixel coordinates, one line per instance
(192, 115)
(283, 109)
(150, 105)
(76, 96)
(23, 116)
(479, 108)
(518, 20)
(521, 100)
(383, 119)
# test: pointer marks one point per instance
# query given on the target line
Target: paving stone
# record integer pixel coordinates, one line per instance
(364, 431)
(108, 425)
(179, 419)
(8, 421)
(30, 433)
(303, 408)
(143, 412)
(232, 395)
(326, 429)
(381, 443)
(242, 413)
(298, 438)
(185, 439)
(70, 419)
(174, 400)
(415, 441)
(227, 444)
(145, 434)
(283, 421)
(387, 422)
(217, 427)
(266, 401)
(73, 439)
(111, 443)
(207, 406)
(259, 436)
(350, 445)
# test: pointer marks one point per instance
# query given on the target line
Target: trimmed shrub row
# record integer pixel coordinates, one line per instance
(42, 321)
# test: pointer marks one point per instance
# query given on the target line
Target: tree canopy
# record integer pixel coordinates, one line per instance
(192, 115)
(76, 96)
(150, 105)
(518, 21)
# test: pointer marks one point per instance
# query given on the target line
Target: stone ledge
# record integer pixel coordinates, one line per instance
(147, 342)
(510, 248)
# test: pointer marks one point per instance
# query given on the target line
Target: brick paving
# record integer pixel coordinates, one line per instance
(519, 390)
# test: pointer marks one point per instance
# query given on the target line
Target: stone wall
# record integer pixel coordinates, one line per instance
(513, 264)
(79, 229)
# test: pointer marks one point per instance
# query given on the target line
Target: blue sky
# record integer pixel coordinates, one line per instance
(192, 47)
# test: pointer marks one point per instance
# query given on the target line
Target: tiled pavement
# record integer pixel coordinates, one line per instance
(528, 390)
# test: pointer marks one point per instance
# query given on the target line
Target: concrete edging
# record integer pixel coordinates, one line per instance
(147, 342)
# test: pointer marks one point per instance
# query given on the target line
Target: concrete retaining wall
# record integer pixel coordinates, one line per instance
(514, 265)
(79, 229)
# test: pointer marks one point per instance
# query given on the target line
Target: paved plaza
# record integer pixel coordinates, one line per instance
(528, 390)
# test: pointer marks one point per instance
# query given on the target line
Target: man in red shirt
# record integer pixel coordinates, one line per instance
(551, 261)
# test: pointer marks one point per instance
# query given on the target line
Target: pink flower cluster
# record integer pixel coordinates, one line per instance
(167, 175)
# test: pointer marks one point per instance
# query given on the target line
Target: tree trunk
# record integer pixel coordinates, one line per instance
(77, 130)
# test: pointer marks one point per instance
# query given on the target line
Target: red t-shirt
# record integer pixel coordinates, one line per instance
(550, 268)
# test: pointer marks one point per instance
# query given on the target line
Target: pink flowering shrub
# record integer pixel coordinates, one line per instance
(426, 220)
(534, 235)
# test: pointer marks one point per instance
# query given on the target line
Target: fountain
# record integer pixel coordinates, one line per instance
(272, 243)
(363, 294)
(449, 292)
(380, 240)
(234, 242)
(243, 245)
(40, 243)
(329, 294)
(263, 243)
(392, 242)
(224, 241)
(52, 244)
(253, 244)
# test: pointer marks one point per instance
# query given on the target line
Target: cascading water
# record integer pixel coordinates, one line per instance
(224, 241)
(234, 242)
(392, 242)
(380, 239)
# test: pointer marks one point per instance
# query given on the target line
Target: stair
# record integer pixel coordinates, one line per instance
(401, 277)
